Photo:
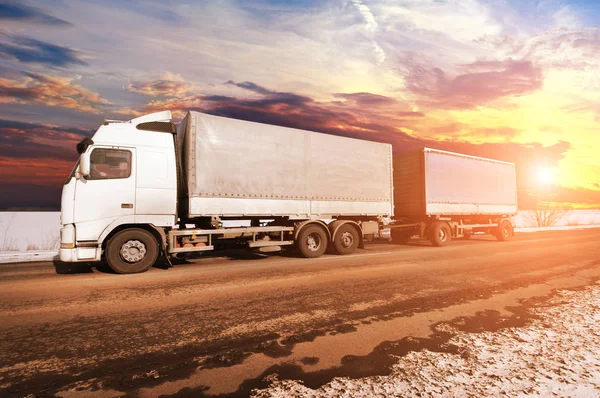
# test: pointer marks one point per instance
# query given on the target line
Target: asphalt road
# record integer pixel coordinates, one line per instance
(220, 325)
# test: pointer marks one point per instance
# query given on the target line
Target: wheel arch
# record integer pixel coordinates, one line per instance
(306, 223)
(158, 233)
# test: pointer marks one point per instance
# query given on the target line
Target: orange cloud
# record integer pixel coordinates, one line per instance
(37, 171)
(170, 85)
(50, 91)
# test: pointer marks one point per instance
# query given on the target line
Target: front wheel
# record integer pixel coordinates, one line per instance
(131, 251)
(439, 233)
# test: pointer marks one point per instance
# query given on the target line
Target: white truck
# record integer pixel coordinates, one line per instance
(147, 187)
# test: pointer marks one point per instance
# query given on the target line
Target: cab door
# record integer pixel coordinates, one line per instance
(107, 194)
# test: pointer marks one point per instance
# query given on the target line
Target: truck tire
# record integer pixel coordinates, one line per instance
(400, 236)
(439, 233)
(312, 241)
(346, 239)
(131, 251)
(504, 232)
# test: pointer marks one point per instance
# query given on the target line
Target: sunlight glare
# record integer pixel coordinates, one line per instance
(546, 175)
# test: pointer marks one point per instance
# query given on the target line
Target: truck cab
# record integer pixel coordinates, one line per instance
(126, 176)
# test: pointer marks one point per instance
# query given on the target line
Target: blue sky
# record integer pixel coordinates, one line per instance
(509, 79)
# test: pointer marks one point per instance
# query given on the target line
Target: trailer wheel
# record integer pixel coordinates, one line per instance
(312, 241)
(439, 233)
(505, 231)
(346, 239)
(399, 236)
(131, 251)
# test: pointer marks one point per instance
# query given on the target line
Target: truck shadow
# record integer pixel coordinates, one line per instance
(71, 268)
(426, 243)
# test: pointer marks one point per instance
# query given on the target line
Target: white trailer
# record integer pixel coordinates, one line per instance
(146, 188)
(233, 168)
(441, 195)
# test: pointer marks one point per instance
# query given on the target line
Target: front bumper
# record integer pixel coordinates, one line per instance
(70, 253)
(80, 254)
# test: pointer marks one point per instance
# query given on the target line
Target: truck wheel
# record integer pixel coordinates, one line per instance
(346, 239)
(399, 236)
(312, 241)
(439, 233)
(505, 231)
(131, 251)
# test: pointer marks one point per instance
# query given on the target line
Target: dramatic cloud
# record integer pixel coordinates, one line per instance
(483, 81)
(17, 11)
(29, 50)
(31, 140)
(170, 85)
(50, 91)
(348, 118)
(30, 147)
(34, 161)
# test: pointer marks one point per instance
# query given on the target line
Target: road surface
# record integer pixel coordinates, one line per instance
(220, 325)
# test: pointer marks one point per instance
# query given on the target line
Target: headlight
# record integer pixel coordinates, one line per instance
(67, 237)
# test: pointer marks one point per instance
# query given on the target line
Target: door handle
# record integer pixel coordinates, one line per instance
(126, 205)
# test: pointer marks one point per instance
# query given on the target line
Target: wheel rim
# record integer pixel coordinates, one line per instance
(505, 231)
(313, 242)
(442, 235)
(133, 251)
(347, 239)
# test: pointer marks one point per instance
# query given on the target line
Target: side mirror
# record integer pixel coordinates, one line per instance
(84, 165)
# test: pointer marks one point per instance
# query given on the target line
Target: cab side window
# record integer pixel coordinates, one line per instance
(109, 164)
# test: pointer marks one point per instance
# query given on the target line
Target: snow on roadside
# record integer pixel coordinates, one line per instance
(557, 354)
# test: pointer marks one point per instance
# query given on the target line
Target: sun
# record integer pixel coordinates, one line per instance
(546, 175)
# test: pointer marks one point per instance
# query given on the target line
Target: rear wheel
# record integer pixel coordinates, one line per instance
(439, 233)
(346, 239)
(131, 251)
(505, 231)
(312, 241)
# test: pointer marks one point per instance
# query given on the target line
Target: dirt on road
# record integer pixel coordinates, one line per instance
(221, 325)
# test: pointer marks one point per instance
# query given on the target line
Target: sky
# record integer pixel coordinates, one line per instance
(507, 79)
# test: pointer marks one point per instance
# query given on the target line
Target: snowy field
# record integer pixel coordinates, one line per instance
(29, 231)
(39, 231)
(557, 354)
